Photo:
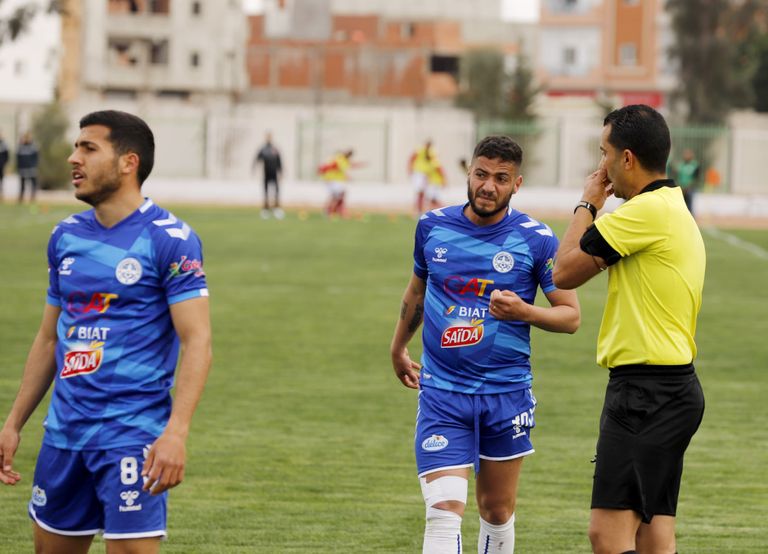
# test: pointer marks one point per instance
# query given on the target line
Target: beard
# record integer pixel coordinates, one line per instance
(108, 185)
(484, 212)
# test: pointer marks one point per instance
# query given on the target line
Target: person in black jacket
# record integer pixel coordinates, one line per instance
(269, 156)
(26, 165)
(3, 160)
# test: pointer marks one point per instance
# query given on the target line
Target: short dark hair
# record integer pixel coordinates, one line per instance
(643, 131)
(497, 147)
(127, 133)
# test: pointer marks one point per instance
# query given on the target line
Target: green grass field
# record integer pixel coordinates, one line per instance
(303, 440)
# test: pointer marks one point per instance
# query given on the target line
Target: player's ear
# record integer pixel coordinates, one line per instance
(129, 163)
(517, 184)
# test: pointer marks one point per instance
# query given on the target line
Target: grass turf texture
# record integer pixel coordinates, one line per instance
(303, 440)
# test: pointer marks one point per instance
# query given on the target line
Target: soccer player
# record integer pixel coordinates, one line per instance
(654, 402)
(477, 268)
(126, 292)
(419, 167)
(335, 174)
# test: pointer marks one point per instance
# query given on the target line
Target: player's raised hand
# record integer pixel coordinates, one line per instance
(9, 442)
(164, 464)
(505, 304)
(597, 188)
(406, 369)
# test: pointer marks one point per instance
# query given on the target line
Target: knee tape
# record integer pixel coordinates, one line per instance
(449, 487)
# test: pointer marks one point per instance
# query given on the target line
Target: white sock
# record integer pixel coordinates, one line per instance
(442, 533)
(496, 539)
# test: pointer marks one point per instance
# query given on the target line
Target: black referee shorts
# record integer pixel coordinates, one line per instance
(649, 416)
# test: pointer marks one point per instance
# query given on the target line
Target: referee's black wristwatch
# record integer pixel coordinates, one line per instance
(591, 207)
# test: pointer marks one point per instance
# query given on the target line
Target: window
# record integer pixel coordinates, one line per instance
(197, 8)
(158, 53)
(407, 31)
(444, 64)
(194, 59)
(569, 56)
(628, 54)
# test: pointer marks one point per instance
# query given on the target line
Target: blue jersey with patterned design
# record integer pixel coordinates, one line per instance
(465, 348)
(117, 348)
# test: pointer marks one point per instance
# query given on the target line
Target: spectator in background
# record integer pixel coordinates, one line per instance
(269, 156)
(3, 161)
(26, 165)
(687, 176)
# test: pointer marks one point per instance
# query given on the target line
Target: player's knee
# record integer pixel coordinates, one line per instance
(444, 494)
(601, 543)
(495, 510)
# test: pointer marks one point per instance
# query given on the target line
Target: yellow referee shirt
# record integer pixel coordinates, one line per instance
(654, 291)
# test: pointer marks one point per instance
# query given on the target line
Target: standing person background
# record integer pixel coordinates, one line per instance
(656, 260)
(419, 168)
(269, 156)
(687, 175)
(27, 159)
(4, 157)
(126, 294)
(436, 183)
(477, 268)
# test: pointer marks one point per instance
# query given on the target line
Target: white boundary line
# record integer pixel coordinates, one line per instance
(733, 240)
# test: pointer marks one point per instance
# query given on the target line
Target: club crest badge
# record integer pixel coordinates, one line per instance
(503, 262)
(128, 271)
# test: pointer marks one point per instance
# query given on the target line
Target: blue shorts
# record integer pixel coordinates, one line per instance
(86, 492)
(455, 430)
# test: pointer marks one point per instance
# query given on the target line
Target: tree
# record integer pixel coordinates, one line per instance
(483, 79)
(712, 46)
(49, 128)
(14, 25)
(522, 91)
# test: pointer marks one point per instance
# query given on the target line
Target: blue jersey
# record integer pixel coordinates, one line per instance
(117, 349)
(465, 348)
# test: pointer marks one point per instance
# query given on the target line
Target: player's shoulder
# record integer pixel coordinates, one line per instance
(444, 215)
(163, 225)
(74, 223)
(528, 226)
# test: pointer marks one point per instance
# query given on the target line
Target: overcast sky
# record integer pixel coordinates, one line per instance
(513, 10)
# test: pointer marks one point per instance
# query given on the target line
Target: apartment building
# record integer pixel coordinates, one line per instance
(395, 50)
(605, 49)
(189, 50)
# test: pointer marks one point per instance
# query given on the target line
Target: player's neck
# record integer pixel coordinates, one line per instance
(484, 221)
(118, 206)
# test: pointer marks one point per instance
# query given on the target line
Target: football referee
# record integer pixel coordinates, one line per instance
(655, 258)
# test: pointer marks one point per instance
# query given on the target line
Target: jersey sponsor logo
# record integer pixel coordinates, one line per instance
(83, 361)
(66, 266)
(129, 499)
(466, 311)
(185, 266)
(434, 443)
(88, 333)
(503, 262)
(38, 496)
(440, 251)
(99, 302)
(129, 271)
(550, 264)
(461, 335)
(461, 286)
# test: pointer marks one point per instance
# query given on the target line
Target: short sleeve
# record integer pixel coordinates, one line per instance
(180, 263)
(420, 268)
(53, 295)
(634, 226)
(545, 262)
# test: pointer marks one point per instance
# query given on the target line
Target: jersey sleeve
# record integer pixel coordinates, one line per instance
(180, 264)
(53, 294)
(420, 268)
(545, 261)
(634, 226)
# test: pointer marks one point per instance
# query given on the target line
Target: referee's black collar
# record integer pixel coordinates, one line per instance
(658, 184)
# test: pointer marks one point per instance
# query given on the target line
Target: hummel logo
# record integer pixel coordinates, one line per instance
(440, 251)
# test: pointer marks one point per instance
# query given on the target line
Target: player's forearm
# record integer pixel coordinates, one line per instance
(566, 273)
(194, 366)
(411, 316)
(39, 371)
(556, 319)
